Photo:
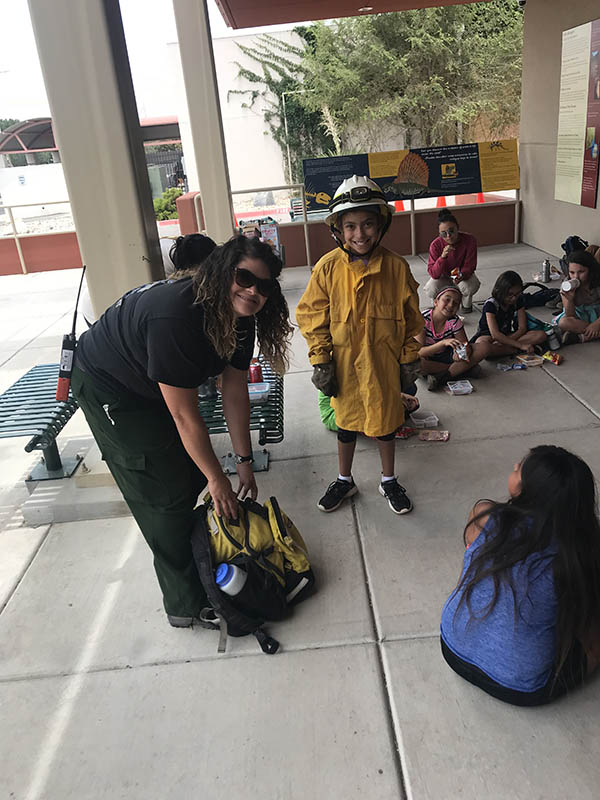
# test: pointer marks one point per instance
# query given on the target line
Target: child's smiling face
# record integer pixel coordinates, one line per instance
(448, 303)
(360, 230)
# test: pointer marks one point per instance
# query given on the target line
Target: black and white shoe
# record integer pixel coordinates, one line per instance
(435, 382)
(396, 496)
(335, 495)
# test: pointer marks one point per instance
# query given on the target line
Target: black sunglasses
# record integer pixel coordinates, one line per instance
(246, 279)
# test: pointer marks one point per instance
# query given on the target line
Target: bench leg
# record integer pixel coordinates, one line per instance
(52, 467)
(52, 457)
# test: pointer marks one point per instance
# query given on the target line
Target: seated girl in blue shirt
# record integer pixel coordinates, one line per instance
(523, 624)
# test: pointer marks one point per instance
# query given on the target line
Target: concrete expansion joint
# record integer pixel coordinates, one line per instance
(41, 676)
(25, 570)
(570, 392)
(381, 661)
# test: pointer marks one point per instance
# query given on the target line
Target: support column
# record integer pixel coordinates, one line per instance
(88, 82)
(197, 62)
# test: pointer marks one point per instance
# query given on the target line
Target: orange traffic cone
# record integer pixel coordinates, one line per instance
(440, 202)
(480, 198)
(399, 204)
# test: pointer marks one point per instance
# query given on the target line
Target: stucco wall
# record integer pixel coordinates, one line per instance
(547, 222)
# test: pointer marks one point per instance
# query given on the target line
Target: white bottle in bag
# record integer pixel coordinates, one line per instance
(568, 286)
(230, 579)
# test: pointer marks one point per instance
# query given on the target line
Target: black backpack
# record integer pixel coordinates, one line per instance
(265, 543)
(571, 243)
(538, 295)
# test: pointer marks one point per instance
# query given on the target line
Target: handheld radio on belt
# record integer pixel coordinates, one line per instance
(67, 353)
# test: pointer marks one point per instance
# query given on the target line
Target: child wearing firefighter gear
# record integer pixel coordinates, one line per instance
(359, 316)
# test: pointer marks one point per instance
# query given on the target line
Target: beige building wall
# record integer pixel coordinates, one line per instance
(547, 222)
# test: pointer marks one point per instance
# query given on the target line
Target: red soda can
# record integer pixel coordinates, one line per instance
(255, 372)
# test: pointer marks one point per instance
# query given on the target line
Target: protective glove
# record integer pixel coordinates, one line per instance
(409, 373)
(323, 378)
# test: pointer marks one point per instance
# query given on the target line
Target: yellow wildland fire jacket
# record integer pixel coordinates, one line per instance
(365, 318)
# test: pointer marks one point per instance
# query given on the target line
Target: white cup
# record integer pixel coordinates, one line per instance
(568, 286)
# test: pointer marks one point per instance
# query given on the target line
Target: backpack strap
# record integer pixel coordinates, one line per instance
(267, 644)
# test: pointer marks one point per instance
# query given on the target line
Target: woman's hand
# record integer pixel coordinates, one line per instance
(224, 498)
(525, 348)
(247, 485)
(446, 250)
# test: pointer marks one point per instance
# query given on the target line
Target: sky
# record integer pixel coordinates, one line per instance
(149, 27)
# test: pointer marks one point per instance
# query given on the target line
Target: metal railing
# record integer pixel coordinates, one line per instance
(412, 211)
(292, 187)
(296, 187)
(18, 236)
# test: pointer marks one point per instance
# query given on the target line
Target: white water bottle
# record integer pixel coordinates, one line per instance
(568, 286)
(230, 579)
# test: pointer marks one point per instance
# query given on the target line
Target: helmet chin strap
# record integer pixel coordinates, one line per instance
(336, 233)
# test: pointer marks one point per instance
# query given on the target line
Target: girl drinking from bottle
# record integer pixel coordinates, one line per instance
(523, 624)
(580, 318)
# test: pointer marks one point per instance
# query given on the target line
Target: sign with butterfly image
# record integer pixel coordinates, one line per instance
(419, 172)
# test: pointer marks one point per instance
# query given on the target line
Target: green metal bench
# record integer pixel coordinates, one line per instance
(265, 417)
(29, 408)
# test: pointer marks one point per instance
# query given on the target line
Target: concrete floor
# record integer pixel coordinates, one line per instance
(100, 698)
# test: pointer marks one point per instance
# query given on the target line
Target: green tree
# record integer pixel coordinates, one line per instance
(165, 207)
(431, 73)
(278, 81)
(6, 123)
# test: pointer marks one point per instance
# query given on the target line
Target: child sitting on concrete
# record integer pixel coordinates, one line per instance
(523, 624)
(580, 319)
(503, 324)
(359, 315)
(445, 352)
(328, 414)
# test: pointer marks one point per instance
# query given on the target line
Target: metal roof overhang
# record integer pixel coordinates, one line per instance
(251, 13)
(37, 136)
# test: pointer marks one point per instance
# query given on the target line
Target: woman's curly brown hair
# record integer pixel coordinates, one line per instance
(212, 285)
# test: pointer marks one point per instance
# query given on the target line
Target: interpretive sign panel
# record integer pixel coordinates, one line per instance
(577, 144)
(420, 172)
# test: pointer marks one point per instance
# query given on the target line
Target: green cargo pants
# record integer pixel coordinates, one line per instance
(159, 481)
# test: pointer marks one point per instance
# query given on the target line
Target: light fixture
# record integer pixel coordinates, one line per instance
(365, 9)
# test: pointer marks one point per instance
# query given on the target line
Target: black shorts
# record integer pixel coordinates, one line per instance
(571, 675)
(445, 357)
(347, 437)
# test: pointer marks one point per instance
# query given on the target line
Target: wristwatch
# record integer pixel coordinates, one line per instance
(244, 459)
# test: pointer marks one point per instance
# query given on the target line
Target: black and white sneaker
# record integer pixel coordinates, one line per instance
(396, 496)
(335, 495)
(435, 382)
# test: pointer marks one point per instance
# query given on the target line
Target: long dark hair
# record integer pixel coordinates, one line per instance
(585, 259)
(555, 508)
(504, 284)
(212, 285)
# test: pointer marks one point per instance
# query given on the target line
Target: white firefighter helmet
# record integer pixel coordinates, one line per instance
(358, 191)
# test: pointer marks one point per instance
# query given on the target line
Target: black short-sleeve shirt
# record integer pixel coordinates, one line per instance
(155, 334)
(506, 318)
